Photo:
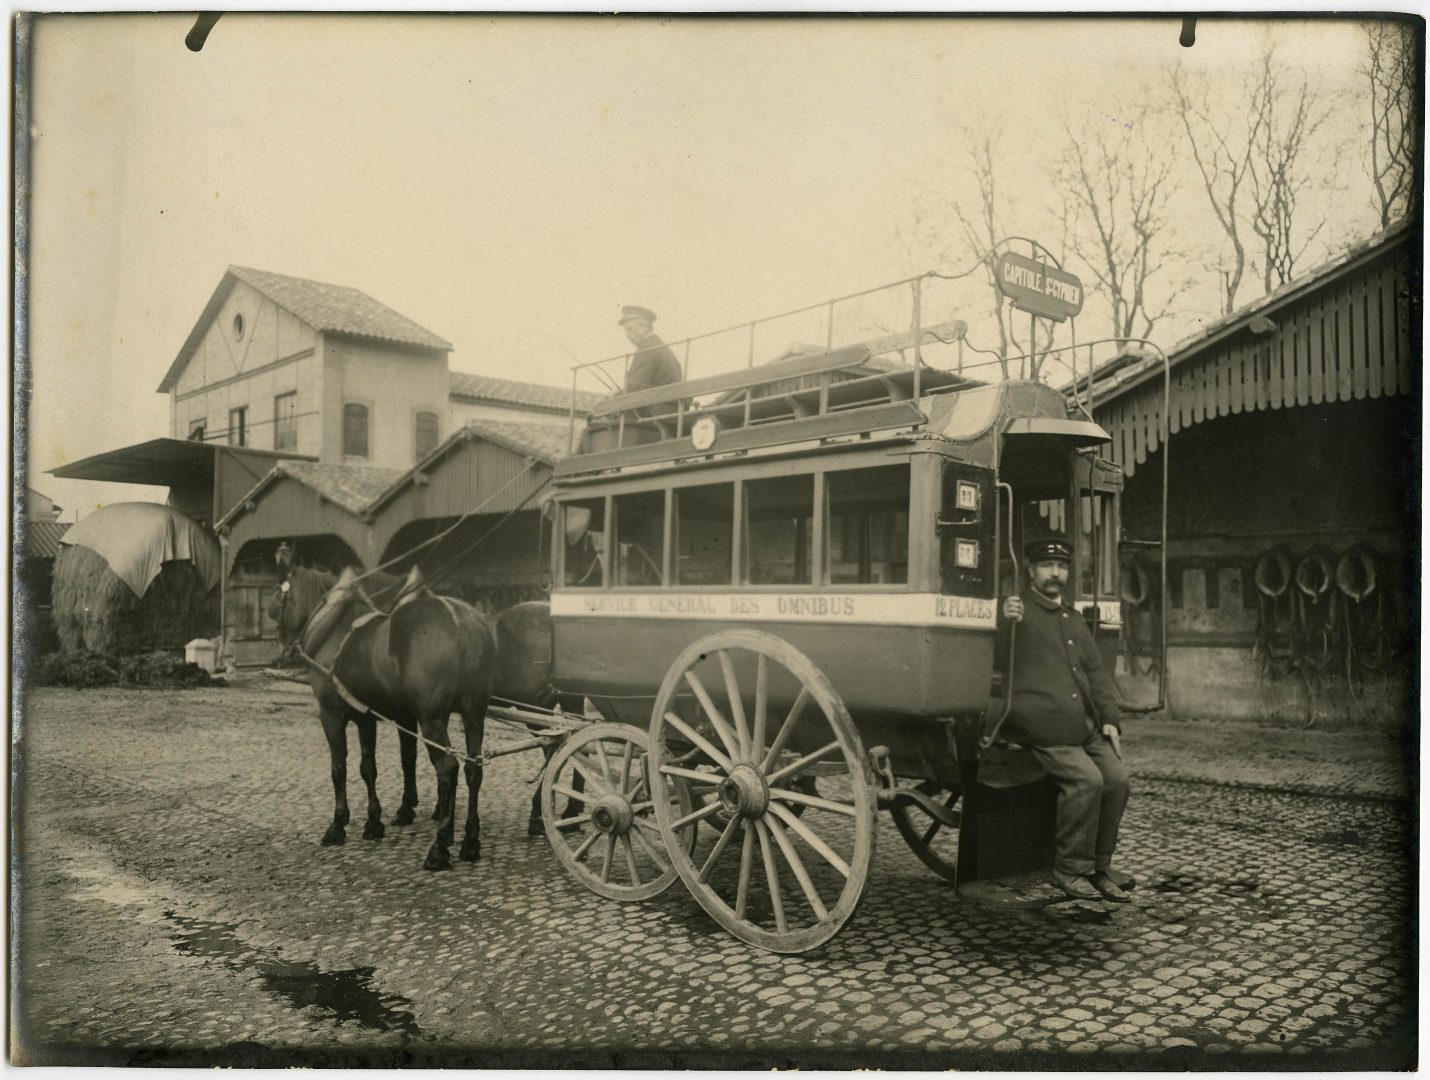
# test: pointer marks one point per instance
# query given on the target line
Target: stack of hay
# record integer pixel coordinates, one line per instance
(134, 577)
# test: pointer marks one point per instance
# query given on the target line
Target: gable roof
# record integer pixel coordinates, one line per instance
(326, 308)
(349, 487)
(547, 441)
(512, 392)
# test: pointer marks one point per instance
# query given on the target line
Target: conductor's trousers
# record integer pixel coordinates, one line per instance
(1092, 794)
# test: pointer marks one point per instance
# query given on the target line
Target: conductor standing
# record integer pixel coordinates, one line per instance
(653, 364)
(1064, 709)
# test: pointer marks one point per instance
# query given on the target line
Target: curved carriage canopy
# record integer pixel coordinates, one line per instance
(907, 520)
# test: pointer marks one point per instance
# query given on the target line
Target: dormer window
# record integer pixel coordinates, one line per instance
(238, 327)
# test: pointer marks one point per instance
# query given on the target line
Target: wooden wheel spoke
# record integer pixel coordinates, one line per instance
(598, 784)
(814, 801)
(757, 737)
(656, 856)
(580, 852)
(698, 815)
(691, 774)
(699, 740)
(792, 718)
(716, 717)
(932, 831)
(571, 793)
(630, 851)
(718, 849)
(605, 763)
(806, 834)
(767, 852)
(737, 705)
(747, 863)
(572, 822)
(800, 764)
(626, 770)
(800, 873)
(609, 859)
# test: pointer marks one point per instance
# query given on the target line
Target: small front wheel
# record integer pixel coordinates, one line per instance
(599, 813)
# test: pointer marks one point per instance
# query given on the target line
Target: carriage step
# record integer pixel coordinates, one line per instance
(888, 799)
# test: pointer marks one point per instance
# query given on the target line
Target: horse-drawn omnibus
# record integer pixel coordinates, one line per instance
(778, 586)
(775, 593)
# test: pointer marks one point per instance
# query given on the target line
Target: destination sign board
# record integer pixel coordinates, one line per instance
(1038, 288)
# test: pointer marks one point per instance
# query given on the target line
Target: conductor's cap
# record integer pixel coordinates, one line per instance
(633, 311)
(1048, 547)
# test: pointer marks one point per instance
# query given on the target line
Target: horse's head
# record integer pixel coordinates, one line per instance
(308, 599)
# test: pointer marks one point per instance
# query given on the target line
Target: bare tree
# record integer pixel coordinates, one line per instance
(1390, 68)
(1223, 139)
(1281, 171)
(1120, 186)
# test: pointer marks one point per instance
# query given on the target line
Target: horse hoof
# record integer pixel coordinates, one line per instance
(404, 816)
(375, 831)
(470, 852)
(535, 827)
(334, 836)
(437, 861)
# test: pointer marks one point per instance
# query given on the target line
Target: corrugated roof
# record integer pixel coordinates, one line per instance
(510, 391)
(1137, 363)
(42, 539)
(338, 308)
(351, 487)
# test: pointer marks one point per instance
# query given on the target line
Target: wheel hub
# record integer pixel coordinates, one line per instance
(744, 792)
(612, 814)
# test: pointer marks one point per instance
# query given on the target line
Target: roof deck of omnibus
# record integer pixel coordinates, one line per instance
(843, 392)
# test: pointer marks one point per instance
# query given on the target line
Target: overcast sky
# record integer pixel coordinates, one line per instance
(509, 182)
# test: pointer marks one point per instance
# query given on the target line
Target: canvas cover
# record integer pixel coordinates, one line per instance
(136, 539)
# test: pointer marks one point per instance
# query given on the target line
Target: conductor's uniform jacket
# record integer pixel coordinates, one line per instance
(1061, 691)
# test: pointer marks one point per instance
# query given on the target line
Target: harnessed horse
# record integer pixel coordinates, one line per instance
(431, 656)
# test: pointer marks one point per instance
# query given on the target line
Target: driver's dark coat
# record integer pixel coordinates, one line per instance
(653, 365)
(1059, 682)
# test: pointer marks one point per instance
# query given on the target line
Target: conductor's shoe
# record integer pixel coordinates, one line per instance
(1125, 882)
(1079, 888)
(1108, 888)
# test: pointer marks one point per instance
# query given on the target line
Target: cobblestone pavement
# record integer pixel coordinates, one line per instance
(176, 907)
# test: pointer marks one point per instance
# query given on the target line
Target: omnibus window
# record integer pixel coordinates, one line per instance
(704, 522)
(779, 530)
(583, 526)
(868, 539)
(640, 521)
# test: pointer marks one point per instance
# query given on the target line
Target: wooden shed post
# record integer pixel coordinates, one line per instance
(222, 660)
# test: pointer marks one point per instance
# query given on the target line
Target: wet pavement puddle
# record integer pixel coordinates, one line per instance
(346, 995)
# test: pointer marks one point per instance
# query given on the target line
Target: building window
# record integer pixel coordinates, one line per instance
(704, 523)
(196, 430)
(238, 327)
(867, 542)
(779, 530)
(354, 430)
(238, 426)
(285, 421)
(427, 434)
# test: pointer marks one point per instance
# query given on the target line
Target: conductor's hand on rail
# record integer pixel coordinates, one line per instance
(1013, 608)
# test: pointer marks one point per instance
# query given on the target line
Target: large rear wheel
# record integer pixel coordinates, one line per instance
(786, 869)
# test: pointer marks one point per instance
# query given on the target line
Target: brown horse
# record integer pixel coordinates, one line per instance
(430, 657)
